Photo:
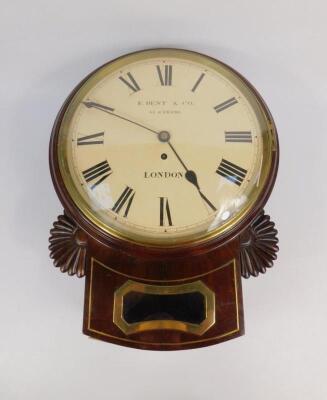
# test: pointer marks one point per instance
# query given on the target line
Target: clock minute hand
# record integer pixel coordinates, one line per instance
(110, 110)
(192, 178)
(90, 104)
(162, 135)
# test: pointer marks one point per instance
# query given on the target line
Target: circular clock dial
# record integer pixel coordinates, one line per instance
(165, 147)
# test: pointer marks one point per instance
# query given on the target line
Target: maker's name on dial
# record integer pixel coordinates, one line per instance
(165, 103)
(165, 106)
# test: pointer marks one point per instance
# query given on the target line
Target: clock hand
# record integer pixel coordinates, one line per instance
(164, 137)
(180, 160)
(192, 178)
(109, 110)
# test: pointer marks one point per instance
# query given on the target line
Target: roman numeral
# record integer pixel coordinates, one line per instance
(225, 104)
(165, 216)
(130, 82)
(231, 172)
(197, 83)
(238, 136)
(98, 170)
(126, 198)
(88, 139)
(167, 76)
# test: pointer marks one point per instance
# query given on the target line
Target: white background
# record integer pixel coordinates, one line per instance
(46, 49)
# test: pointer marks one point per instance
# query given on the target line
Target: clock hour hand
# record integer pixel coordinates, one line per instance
(110, 110)
(192, 178)
(163, 136)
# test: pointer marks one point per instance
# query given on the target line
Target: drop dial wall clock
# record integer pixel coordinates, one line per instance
(163, 160)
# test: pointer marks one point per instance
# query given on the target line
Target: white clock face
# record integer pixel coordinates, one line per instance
(165, 147)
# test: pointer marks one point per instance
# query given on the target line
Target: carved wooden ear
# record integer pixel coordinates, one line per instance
(68, 246)
(258, 246)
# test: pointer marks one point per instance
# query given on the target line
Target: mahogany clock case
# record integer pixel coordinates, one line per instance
(162, 265)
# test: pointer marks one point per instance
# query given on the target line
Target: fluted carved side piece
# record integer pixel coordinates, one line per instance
(258, 246)
(68, 246)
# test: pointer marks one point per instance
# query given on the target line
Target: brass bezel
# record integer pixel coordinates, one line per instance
(270, 143)
(162, 290)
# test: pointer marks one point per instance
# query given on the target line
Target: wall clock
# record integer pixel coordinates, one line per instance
(163, 160)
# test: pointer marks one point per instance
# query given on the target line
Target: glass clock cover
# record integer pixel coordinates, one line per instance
(165, 147)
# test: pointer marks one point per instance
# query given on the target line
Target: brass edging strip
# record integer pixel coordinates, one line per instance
(183, 326)
(159, 280)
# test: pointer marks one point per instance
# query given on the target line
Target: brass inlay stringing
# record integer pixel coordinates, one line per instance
(127, 340)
